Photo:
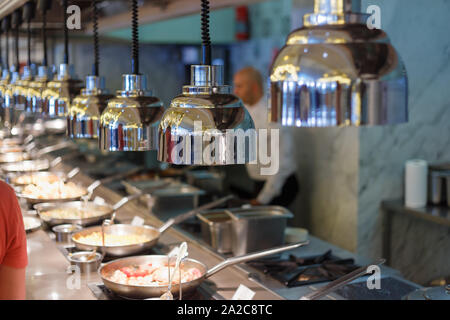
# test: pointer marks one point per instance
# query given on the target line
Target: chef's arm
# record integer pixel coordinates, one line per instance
(274, 184)
(12, 283)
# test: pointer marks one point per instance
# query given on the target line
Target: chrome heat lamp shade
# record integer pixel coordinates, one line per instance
(34, 103)
(335, 71)
(59, 93)
(10, 112)
(205, 106)
(84, 114)
(130, 120)
(21, 88)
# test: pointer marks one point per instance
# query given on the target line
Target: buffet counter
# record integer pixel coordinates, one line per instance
(49, 276)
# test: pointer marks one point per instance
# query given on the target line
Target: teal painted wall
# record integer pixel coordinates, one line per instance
(184, 30)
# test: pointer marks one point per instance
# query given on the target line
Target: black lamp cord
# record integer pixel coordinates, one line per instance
(95, 67)
(1, 51)
(28, 14)
(135, 37)
(7, 49)
(66, 34)
(44, 36)
(17, 43)
(206, 39)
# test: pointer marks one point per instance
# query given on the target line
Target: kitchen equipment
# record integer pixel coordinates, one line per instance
(144, 292)
(151, 233)
(434, 293)
(64, 232)
(204, 125)
(257, 228)
(23, 179)
(86, 261)
(87, 192)
(334, 285)
(104, 211)
(212, 182)
(293, 271)
(335, 71)
(85, 110)
(130, 121)
(26, 166)
(167, 195)
(216, 229)
(59, 93)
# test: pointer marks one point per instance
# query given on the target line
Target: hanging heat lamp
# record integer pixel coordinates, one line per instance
(11, 113)
(86, 109)
(60, 92)
(130, 121)
(21, 88)
(199, 126)
(335, 71)
(35, 101)
(6, 76)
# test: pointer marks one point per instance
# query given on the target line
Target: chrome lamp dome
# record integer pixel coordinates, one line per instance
(336, 71)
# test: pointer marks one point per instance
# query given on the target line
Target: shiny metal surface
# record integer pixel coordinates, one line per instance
(335, 71)
(11, 157)
(340, 282)
(194, 129)
(21, 88)
(85, 111)
(216, 229)
(13, 178)
(10, 113)
(64, 232)
(105, 211)
(42, 208)
(130, 120)
(60, 92)
(152, 233)
(144, 292)
(122, 229)
(25, 166)
(249, 224)
(34, 100)
(86, 261)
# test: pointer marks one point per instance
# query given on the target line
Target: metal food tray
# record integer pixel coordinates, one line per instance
(173, 197)
(252, 229)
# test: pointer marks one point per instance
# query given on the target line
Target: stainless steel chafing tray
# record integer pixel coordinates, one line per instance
(257, 228)
(243, 230)
(166, 195)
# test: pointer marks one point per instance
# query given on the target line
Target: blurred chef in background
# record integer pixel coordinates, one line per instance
(281, 188)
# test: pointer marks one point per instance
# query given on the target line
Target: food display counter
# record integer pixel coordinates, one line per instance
(49, 275)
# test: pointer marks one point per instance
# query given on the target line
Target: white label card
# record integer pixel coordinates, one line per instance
(137, 221)
(243, 293)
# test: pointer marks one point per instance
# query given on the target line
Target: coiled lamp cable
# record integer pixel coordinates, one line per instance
(135, 37)
(206, 39)
(95, 67)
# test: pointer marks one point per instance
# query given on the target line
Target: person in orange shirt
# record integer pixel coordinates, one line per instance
(13, 246)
